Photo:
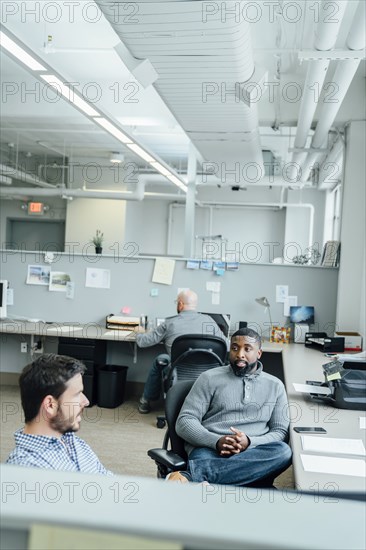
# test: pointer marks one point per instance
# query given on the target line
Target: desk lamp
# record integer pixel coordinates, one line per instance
(263, 301)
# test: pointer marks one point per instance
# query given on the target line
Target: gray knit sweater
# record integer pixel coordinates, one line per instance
(255, 404)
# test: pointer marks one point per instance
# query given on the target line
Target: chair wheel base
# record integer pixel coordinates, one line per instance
(160, 422)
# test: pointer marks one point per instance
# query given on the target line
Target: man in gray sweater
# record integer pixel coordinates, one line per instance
(235, 421)
(187, 321)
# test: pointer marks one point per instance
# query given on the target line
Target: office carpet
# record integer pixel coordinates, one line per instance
(120, 437)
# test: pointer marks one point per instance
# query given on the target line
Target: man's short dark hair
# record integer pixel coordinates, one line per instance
(47, 375)
(249, 332)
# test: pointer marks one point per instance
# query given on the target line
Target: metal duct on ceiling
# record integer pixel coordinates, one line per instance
(202, 61)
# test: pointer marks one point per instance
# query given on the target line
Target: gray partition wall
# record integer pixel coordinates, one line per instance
(131, 285)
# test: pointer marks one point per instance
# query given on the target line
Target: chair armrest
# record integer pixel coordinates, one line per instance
(168, 458)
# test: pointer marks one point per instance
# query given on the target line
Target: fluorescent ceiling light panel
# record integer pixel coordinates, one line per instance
(160, 168)
(69, 94)
(113, 130)
(19, 53)
(140, 152)
(177, 182)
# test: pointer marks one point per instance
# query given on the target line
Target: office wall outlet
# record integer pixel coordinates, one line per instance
(154, 292)
(38, 346)
(23, 347)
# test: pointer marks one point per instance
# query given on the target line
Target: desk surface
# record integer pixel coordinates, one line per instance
(86, 331)
(300, 364)
(67, 330)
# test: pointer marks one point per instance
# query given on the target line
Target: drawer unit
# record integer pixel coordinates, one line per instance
(80, 348)
(90, 352)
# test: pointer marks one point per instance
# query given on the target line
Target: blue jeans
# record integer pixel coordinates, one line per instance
(154, 381)
(263, 461)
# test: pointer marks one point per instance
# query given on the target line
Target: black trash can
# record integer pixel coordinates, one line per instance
(111, 385)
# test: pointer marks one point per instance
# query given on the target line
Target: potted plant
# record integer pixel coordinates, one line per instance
(97, 240)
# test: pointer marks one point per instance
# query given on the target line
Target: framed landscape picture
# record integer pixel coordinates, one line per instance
(280, 334)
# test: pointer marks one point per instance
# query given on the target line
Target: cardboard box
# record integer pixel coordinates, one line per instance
(352, 340)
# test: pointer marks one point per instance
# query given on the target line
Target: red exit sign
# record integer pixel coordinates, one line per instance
(36, 208)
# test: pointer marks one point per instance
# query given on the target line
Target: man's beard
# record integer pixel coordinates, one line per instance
(243, 371)
(62, 424)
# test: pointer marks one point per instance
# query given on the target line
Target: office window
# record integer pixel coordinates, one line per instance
(35, 235)
(332, 215)
(337, 213)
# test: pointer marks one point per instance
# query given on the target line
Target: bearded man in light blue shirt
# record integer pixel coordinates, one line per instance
(52, 398)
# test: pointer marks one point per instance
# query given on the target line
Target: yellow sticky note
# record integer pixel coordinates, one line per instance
(335, 376)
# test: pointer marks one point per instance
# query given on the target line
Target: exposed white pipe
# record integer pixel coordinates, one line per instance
(268, 181)
(165, 196)
(328, 28)
(343, 77)
(64, 193)
(24, 176)
(356, 35)
(326, 37)
(331, 170)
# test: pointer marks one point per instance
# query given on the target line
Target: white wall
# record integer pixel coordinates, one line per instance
(146, 226)
(248, 235)
(351, 288)
(85, 216)
(143, 227)
(298, 221)
(257, 234)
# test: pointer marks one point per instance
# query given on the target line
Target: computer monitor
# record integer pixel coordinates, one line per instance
(222, 320)
(302, 314)
(3, 299)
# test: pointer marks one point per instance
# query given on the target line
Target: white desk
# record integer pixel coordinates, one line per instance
(202, 517)
(66, 330)
(301, 364)
(91, 331)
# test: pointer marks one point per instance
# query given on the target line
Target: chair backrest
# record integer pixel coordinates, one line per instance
(192, 354)
(173, 404)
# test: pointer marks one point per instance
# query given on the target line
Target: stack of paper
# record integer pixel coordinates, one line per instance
(331, 464)
(334, 465)
(311, 388)
(119, 334)
(333, 445)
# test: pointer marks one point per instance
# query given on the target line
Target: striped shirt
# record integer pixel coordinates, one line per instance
(69, 453)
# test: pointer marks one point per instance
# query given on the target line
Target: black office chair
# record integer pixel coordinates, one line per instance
(192, 354)
(172, 456)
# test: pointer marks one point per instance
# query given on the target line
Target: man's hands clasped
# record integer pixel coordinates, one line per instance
(232, 444)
